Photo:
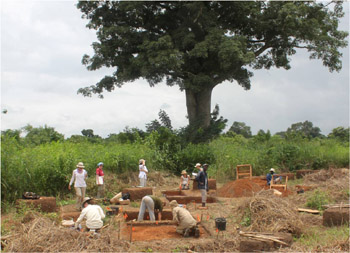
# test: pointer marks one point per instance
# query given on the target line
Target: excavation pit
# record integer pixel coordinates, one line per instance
(149, 231)
(133, 214)
(190, 199)
(187, 196)
(138, 192)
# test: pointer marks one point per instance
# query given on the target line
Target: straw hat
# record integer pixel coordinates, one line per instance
(183, 172)
(173, 203)
(85, 200)
(198, 165)
(80, 165)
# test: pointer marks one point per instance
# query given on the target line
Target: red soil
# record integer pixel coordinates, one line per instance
(149, 233)
(239, 188)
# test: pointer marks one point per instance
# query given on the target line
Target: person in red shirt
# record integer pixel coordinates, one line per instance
(100, 180)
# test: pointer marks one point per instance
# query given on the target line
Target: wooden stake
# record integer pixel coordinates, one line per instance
(119, 230)
(262, 237)
(308, 211)
(131, 232)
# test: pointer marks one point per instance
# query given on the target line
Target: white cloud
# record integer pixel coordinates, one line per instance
(42, 46)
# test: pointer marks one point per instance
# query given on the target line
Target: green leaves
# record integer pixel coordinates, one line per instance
(180, 40)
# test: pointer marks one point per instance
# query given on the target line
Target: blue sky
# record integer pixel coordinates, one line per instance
(42, 44)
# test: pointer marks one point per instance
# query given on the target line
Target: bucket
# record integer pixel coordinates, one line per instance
(115, 209)
(220, 224)
(112, 210)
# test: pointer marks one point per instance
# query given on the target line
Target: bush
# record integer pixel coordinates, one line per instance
(317, 200)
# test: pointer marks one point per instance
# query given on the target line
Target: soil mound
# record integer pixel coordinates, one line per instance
(238, 188)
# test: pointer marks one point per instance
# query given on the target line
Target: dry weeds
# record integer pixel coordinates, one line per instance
(274, 214)
(42, 235)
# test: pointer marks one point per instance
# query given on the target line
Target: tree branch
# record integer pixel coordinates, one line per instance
(262, 49)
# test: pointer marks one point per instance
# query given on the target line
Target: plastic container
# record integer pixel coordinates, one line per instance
(220, 224)
(112, 211)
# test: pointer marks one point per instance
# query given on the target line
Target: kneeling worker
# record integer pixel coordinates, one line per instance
(93, 214)
(150, 203)
(187, 225)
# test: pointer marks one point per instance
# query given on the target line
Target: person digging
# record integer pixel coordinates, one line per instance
(93, 215)
(187, 225)
(269, 177)
(151, 203)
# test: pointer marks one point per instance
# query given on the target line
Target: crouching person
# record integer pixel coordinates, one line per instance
(93, 215)
(187, 225)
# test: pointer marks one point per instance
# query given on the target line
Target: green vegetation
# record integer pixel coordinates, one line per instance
(318, 238)
(45, 168)
(317, 200)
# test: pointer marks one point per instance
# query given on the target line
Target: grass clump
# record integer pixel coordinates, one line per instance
(317, 200)
(321, 239)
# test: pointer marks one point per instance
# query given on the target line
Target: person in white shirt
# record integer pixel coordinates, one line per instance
(79, 176)
(185, 181)
(93, 215)
(143, 172)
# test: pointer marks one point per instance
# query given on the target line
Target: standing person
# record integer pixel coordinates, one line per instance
(143, 172)
(185, 180)
(93, 214)
(199, 167)
(202, 179)
(100, 180)
(79, 176)
(151, 203)
(187, 225)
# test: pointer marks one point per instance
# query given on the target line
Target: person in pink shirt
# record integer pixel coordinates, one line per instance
(100, 180)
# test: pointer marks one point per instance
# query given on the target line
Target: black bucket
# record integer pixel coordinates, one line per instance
(114, 210)
(220, 224)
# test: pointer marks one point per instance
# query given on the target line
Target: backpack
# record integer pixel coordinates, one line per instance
(126, 196)
(31, 195)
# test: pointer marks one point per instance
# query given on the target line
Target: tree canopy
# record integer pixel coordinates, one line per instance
(241, 128)
(199, 44)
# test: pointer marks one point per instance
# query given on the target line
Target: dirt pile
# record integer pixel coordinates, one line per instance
(326, 175)
(239, 188)
(334, 181)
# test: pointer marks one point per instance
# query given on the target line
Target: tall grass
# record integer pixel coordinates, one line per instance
(285, 155)
(46, 169)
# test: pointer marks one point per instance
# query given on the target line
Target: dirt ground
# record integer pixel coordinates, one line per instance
(256, 211)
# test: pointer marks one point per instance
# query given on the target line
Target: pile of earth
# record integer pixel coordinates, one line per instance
(239, 188)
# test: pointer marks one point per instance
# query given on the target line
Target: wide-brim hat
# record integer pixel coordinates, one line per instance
(173, 203)
(80, 165)
(86, 199)
(183, 172)
(198, 165)
(272, 169)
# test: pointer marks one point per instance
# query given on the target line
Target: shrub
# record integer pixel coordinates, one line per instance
(317, 200)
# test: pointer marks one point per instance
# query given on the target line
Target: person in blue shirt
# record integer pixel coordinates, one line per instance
(269, 177)
(202, 179)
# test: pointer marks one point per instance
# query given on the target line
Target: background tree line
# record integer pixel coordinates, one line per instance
(42, 160)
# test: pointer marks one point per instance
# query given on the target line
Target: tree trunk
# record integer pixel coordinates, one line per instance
(199, 107)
